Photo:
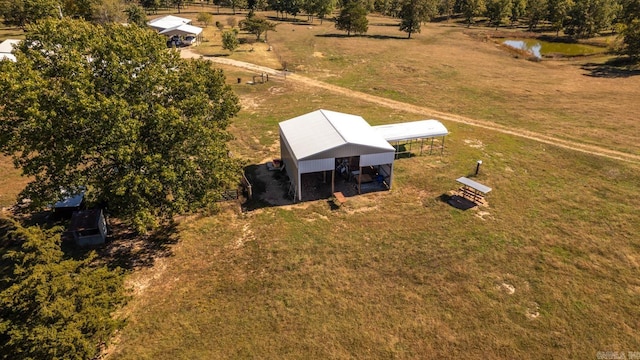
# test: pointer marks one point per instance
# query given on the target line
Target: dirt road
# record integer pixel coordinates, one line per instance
(426, 112)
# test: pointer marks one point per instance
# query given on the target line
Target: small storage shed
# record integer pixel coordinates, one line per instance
(323, 140)
(88, 227)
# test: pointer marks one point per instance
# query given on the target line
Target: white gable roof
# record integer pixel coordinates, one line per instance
(183, 29)
(167, 22)
(8, 57)
(6, 46)
(325, 134)
(423, 129)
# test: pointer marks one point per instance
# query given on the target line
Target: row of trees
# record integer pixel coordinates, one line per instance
(24, 12)
(578, 19)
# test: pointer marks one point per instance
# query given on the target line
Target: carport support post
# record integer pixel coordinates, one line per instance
(333, 176)
(359, 180)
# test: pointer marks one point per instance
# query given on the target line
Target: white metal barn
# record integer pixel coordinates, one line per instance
(322, 140)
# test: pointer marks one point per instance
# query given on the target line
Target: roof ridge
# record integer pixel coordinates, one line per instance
(322, 111)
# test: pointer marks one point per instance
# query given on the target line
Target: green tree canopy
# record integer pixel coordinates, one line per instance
(558, 13)
(588, 17)
(631, 39)
(106, 11)
(471, 8)
(111, 109)
(136, 15)
(230, 41)
(52, 307)
(630, 32)
(24, 12)
(150, 5)
(536, 11)
(414, 12)
(353, 17)
(322, 8)
(518, 9)
(204, 18)
(498, 10)
(257, 25)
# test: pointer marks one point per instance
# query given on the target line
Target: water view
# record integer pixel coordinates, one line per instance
(539, 48)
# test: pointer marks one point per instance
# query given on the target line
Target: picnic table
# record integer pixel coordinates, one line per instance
(472, 190)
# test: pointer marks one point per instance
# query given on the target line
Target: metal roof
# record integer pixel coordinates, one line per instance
(473, 184)
(7, 45)
(183, 29)
(7, 56)
(423, 129)
(326, 134)
(167, 22)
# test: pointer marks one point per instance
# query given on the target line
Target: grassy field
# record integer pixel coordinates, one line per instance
(547, 270)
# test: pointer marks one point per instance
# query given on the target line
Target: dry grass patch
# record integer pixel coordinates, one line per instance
(402, 274)
(11, 182)
(445, 69)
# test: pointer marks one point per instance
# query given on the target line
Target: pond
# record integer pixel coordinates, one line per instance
(541, 48)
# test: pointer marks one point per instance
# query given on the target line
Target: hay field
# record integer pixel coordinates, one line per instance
(548, 269)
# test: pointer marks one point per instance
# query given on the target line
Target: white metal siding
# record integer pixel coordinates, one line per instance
(290, 164)
(377, 159)
(309, 166)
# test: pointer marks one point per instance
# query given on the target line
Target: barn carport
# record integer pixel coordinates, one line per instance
(325, 141)
(403, 135)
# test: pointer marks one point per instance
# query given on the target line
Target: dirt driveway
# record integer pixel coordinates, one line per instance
(427, 112)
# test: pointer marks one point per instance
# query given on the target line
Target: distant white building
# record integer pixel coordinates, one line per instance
(175, 26)
(6, 49)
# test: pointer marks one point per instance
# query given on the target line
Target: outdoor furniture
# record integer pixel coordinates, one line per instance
(339, 198)
(472, 190)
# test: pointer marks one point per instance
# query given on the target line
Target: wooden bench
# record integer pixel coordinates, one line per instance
(339, 198)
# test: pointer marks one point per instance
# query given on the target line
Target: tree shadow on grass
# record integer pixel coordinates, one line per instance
(621, 67)
(128, 250)
(378, 37)
(123, 247)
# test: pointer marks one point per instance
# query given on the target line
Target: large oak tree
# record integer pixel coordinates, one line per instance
(110, 109)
